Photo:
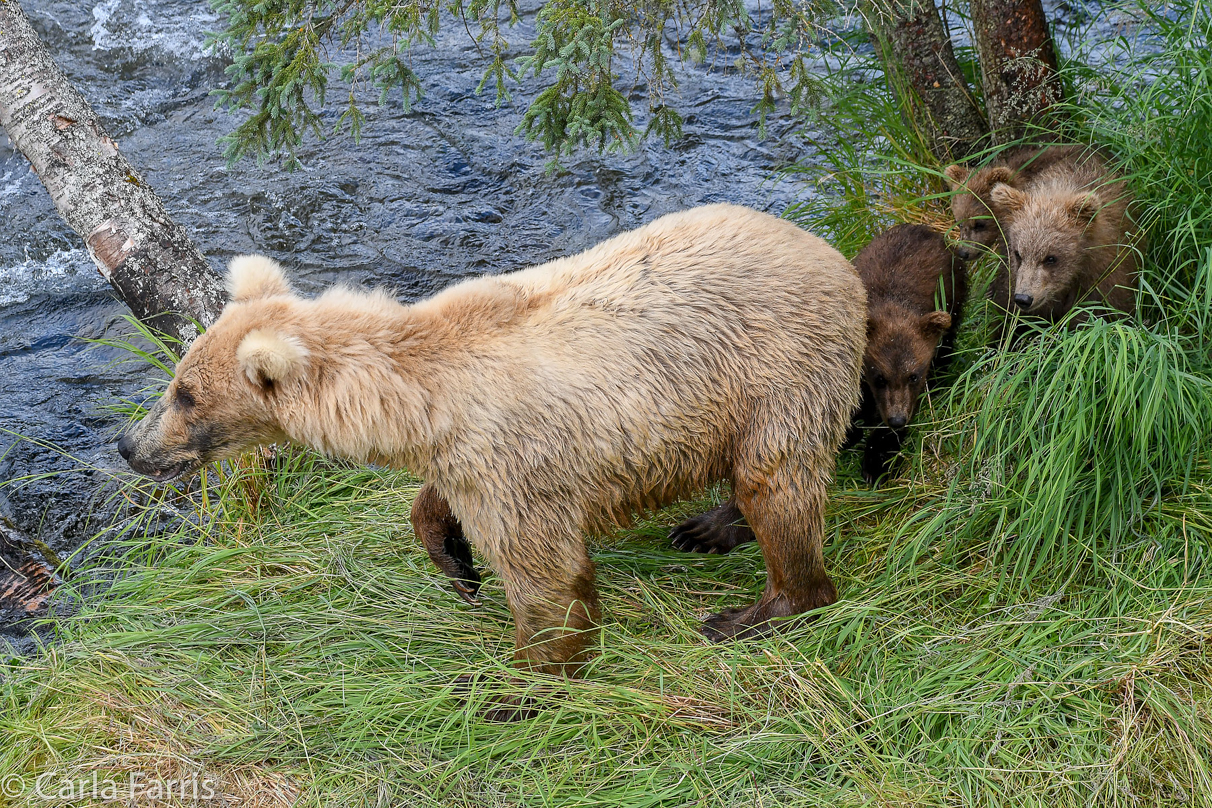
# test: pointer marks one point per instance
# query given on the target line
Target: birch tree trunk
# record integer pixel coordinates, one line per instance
(1018, 64)
(920, 64)
(147, 258)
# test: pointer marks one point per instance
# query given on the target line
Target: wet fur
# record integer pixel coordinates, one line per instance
(907, 272)
(1071, 239)
(977, 227)
(559, 401)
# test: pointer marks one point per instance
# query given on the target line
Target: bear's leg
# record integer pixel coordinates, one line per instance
(717, 531)
(883, 443)
(438, 529)
(553, 600)
(787, 514)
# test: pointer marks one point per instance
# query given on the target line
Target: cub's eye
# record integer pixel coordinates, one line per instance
(979, 225)
(1018, 257)
(913, 377)
(1050, 259)
(185, 398)
(880, 381)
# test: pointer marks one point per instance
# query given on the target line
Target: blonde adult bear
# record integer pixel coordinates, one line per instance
(558, 401)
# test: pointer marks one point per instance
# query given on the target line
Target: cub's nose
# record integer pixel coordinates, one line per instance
(897, 421)
(964, 253)
(1023, 301)
(124, 447)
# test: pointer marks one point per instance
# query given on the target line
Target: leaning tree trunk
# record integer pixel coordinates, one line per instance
(150, 261)
(920, 65)
(1018, 64)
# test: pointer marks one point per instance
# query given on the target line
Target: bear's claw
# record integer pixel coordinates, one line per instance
(459, 567)
(505, 708)
(736, 623)
(716, 532)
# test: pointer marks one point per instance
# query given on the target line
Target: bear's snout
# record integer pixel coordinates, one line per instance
(897, 421)
(1023, 301)
(125, 445)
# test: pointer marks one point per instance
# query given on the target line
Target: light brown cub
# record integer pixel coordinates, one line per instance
(1070, 239)
(978, 227)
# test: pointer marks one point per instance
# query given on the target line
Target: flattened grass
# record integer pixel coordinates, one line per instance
(308, 652)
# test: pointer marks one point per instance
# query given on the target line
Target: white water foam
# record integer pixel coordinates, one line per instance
(134, 24)
(62, 271)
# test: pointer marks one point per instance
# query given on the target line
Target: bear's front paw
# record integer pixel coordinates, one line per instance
(456, 563)
(496, 707)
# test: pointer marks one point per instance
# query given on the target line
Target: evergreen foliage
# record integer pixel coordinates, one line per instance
(285, 52)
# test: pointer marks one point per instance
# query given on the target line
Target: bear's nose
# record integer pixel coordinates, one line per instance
(1023, 301)
(124, 447)
(897, 421)
(964, 253)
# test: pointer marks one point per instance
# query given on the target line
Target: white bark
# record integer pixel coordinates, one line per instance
(146, 257)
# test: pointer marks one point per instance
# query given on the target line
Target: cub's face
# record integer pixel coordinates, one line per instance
(900, 350)
(1047, 244)
(976, 226)
(218, 403)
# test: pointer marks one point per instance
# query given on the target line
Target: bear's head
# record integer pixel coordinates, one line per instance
(977, 227)
(218, 402)
(1047, 237)
(900, 349)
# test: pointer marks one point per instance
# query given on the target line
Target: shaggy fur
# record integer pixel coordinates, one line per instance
(979, 229)
(541, 405)
(1070, 240)
(916, 289)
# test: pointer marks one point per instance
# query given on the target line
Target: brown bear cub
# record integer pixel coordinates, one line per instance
(558, 401)
(1070, 240)
(978, 227)
(916, 288)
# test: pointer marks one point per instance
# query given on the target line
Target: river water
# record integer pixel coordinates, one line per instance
(427, 197)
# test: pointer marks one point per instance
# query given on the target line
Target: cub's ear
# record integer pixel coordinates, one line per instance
(956, 175)
(250, 277)
(1007, 198)
(935, 324)
(1084, 207)
(268, 357)
(997, 174)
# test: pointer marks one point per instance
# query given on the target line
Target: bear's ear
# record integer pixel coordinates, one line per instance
(956, 175)
(250, 277)
(1084, 207)
(997, 174)
(268, 358)
(1007, 198)
(935, 324)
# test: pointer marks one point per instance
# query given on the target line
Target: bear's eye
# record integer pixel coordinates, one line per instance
(184, 398)
(978, 225)
(1050, 259)
(1018, 257)
(913, 377)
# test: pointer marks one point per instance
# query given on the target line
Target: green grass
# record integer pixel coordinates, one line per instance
(1025, 615)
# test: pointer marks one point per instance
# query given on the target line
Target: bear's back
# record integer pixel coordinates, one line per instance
(634, 366)
(712, 277)
(909, 265)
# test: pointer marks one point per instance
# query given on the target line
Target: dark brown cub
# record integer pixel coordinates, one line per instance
(916, 289)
